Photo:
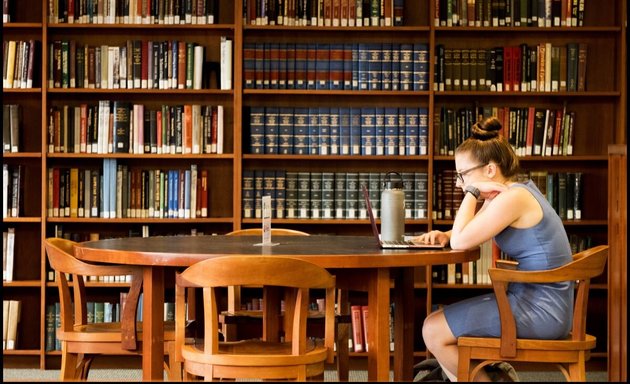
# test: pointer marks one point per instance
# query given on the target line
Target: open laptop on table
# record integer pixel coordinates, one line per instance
(403, 244)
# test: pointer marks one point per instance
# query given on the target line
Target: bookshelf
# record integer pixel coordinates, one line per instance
(600, 120)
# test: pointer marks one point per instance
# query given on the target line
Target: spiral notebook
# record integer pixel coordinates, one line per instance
(403, 244)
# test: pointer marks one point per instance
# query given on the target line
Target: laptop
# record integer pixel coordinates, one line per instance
(402, 244)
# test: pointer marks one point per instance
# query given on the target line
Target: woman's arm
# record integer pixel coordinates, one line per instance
(504, 207)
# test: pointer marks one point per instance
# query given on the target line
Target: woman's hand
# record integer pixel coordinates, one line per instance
(489, 189)
(433, 237)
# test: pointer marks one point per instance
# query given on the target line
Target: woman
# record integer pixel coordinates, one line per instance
(524, 226)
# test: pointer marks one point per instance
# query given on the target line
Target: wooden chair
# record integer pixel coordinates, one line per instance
(295, 358)
(342, 320)
(82, 341)
(568, 354)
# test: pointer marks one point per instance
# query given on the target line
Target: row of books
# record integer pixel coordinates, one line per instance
(11, 314)
(563, 191)
(145, 64)
(8, 253)
(120, 191)
(12, 190)
(472, 272)
(476, 272)
(117, 126)
(327, 195)
(133, 11)
(336, 66)
(530, 130)
(338, 131)
(359, 323)
(11, 121)
(324, 13)
(508, 13)
(19, 59)
(521, 68)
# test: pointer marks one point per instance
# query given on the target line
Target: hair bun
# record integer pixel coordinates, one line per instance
(486, 129)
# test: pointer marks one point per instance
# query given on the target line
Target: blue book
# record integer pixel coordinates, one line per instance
(420, 67)
(259, 65)
(355, 131)
(375, 76)
(248, 194)
(402, 131)
(267, 66)
(336, 67)
(285, 131)
(172, 193)
(105, 189)
(340, 195)
(274, 65)
(391, 131)
(423, 131)
(258, 192)
(379, 131)
(395, 76)
(300, 131)
(249, 65)
(311, 66)
(271, 130)
(282, 66)
(363, 68)
(406, 67)
(322, 66)
(386, 67)
(290, 65)
(257, 130)
(368, 131)
(355, 67)
(344, 131)
(269, 188)
(187, 194)
(347, 66)
(300, 66)
(411, 133)
(112, 188)
(280, 193)
(324, 130)
(313, 131)
(291, 198)
(334, 129)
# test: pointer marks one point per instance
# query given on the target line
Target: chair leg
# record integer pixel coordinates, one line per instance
(68, 365)
(85, 363)
(343, 353)
(577, 371)
(463, 365)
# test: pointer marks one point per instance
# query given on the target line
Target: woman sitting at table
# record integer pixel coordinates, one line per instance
(524, 225)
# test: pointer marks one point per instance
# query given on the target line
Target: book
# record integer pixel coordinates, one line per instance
(357, 330)
(9, 255)
(226, 63)
(15, 308)
(364, 326)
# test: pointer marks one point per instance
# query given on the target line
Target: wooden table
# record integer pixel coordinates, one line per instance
(356, 261)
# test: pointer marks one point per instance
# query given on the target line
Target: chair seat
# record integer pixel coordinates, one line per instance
(533, 344)
(107, 332)
(249, 353)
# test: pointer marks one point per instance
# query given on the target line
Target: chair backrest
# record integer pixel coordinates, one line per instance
(62, 260)
(585, 265)
(257, 270)
(274, 231)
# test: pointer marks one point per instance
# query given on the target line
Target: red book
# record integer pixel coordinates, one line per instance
(357, 332)
(181, 65)
(557, 133)
(364, 319)
(529, 144)
(516, 68)
(83, 129)
(507, 69)
(204, 193)
(159, 130)
(188, 130)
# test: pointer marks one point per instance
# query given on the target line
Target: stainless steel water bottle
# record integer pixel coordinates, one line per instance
(393, 208)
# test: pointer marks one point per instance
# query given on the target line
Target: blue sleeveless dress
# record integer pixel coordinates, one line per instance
(542, 311)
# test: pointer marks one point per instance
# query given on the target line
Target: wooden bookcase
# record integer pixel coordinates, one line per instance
(600, 121)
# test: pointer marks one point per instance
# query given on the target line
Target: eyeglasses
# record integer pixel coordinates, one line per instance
(460, 175)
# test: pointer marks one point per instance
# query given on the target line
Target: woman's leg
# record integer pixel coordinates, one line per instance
(441, 343)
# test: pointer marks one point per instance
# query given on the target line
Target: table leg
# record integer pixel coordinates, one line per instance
(403, 325)
(153, 324)
(378, 325)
